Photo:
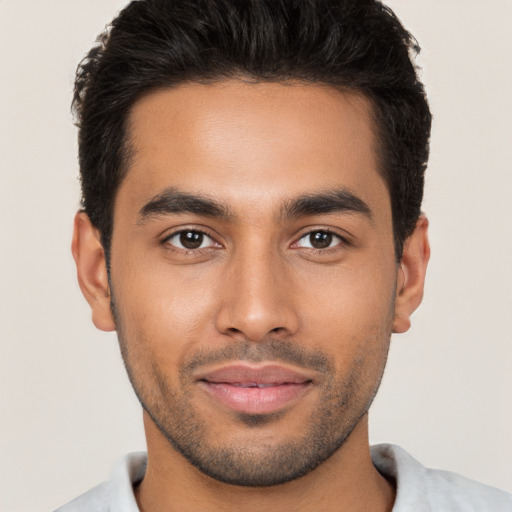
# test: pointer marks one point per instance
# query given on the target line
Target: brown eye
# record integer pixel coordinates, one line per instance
(319, 240)
(190, 240)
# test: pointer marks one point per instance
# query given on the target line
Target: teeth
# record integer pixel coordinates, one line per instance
(252, 385)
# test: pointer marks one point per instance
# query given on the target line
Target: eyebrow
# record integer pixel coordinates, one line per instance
(174, 201)
(332, 201)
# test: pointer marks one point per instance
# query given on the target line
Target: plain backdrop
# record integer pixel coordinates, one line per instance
(67, 411)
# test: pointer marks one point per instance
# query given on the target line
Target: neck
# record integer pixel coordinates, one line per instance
(347, 481)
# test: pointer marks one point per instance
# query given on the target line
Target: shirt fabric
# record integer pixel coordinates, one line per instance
(419, 489)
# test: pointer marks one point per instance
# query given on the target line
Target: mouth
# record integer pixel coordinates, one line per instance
(260, 389)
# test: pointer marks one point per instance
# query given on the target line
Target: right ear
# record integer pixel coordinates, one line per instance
(92, 271)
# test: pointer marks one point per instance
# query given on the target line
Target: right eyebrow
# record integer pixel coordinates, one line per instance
(174, 201)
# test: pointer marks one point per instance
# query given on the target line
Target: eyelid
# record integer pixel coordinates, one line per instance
(344, 240)
(183, 229)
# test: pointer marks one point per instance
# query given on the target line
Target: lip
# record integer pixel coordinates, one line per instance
(255, 389)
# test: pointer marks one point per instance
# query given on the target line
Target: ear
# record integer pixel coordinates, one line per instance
(411, 275)
(92, 271)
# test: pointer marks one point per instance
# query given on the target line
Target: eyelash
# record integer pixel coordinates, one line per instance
(196, 251)
(343, 241)
(166, 241)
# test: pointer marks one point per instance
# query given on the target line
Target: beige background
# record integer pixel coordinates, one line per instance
(67, 411)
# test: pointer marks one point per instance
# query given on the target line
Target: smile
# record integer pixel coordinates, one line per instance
(253, 385)
(255, 390)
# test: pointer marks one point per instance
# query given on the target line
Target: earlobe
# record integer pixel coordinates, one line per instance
(411, 275)
(92, 271)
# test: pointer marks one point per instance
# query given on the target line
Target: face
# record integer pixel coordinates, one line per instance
(253, 273)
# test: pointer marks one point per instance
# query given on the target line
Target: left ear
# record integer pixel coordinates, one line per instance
(411, 275)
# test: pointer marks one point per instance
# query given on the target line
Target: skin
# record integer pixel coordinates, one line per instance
(255, 291)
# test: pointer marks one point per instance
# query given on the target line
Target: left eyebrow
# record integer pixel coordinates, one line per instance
(333, 201)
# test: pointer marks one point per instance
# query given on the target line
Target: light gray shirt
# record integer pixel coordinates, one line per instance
(419, 489)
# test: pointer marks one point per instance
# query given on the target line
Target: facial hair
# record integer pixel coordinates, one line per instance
(344, 401)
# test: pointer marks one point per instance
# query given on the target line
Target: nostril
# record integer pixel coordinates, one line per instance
(233, 330)
(255, 321)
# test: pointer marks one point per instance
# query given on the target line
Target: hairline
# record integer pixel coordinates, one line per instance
(128, 151)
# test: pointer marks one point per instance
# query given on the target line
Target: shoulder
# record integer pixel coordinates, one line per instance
(429, 490)
(96, 499)
(116, 495)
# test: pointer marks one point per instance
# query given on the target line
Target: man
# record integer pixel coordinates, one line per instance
(252, 176)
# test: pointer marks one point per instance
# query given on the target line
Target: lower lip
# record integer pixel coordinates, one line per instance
(255, 400)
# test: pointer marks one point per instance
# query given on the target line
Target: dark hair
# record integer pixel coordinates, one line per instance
(355, 45)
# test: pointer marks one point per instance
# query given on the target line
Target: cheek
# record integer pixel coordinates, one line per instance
(350, 299)
(166, 309)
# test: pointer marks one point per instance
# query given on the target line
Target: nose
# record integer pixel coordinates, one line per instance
(257, 297)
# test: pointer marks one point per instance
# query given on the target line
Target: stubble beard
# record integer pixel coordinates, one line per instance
(261, 464)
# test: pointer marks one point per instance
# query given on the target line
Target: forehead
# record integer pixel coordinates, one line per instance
(252, 143)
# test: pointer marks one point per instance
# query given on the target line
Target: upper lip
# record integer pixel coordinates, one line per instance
(254, 374)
